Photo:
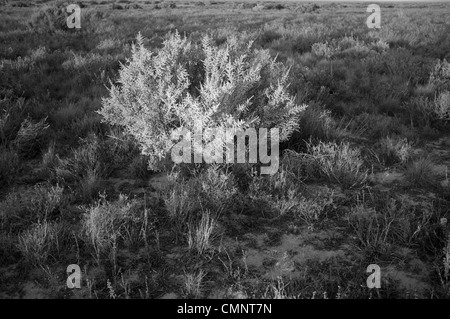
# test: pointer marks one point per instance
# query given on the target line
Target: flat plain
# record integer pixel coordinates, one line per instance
(363, 176)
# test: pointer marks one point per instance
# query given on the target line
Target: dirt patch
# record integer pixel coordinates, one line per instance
(287, 258)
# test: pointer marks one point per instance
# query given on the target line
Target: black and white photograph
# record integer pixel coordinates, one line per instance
(224, 154)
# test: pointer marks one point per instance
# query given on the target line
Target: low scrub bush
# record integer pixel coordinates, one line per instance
(13, 112)
(200, 236)
(187, 198)
(440, 75)
(442, 106)
(340, 163)
(421, 172)
(29, 138)
(30, 205)
(97, 156)
(394, 150)
(37, 243)
(108, 225)
(49, 17)
(199, 86)
(9, 164)
(318, 124)
(52, 18)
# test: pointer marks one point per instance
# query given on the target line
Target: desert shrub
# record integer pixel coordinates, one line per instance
(312, 210)
(108, 44)
(66, 114)
(193, 286)
(138, 167)
(11, 117)
(116, 6)
(308, 8)
(440, 75)
(372, 231)
(90, 156)
(187, 198)
(348, 47)
(277, 185)
(29, 62)
(21, 4)
(9, 164)
(303, 166)
(278, 6)
(425, 112)
(394, 150)
(38, 242)
(49, 18)
(52, 18)
(200, 236)
(388, 223)
(374, 125)
(178, 200)
(284, 195)
(99, 154)
(90, 61)
(420, 111)
(421, 172)
(32, 204)
(89, 123)
(323, 49)
(340, 163)
(28, 140)
(274, 195)
(195, 86)
(317, 123)
(50, 160)
(442, 106)
(90, 185)
(111, 224)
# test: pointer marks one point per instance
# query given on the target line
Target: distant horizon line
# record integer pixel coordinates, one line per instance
(371, 1)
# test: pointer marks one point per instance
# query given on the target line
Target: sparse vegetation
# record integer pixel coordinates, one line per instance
(88, 119)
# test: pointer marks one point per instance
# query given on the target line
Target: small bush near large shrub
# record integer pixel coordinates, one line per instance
(421, 173)
(30, 205)
(38, 242)
(107, 224)
(394, 150)
(340, 163)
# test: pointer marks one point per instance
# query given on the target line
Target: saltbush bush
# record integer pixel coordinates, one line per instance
(198, 85)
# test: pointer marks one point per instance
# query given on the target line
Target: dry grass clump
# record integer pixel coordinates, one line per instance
(39, 242)
(108, 225)
(340, 163)
(32, 204)
(394, 150)
(421, 172)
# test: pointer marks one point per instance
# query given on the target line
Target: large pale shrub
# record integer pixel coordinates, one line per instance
(192, 85)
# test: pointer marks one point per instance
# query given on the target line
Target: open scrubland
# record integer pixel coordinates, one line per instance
(364, 156)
